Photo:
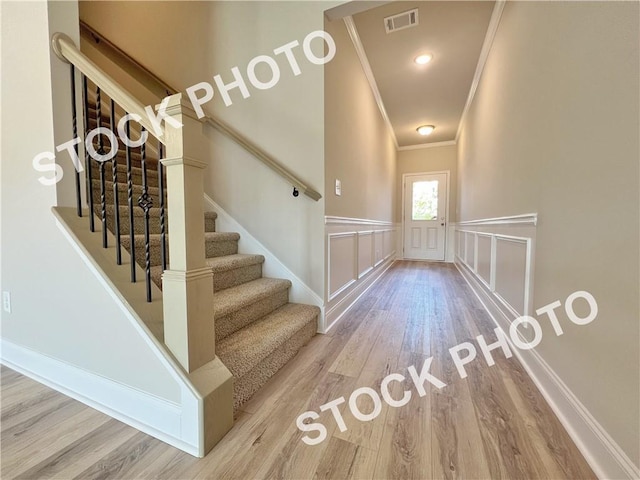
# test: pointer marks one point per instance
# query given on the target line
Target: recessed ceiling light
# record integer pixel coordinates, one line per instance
(425, 129)
(423, 59)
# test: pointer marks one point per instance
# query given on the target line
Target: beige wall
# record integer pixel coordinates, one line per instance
(554, 129)
(432, 159)
(59, 308)
(185, 43)
(359, 151)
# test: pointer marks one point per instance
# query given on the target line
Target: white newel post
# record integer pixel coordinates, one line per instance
(187, 287)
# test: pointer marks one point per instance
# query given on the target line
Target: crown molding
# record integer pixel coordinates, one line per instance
(420, 146)
(482, 60)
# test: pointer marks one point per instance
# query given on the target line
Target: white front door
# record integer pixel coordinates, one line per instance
(425, 215)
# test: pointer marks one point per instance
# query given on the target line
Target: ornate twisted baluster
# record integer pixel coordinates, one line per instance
(74, 125)
(163, 238)
(116, 200)
(100, 151)
(146, 203)
(132, 243)
(87, 157)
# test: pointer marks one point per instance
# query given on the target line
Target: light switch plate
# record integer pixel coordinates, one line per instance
(6, 302)
(338, 187)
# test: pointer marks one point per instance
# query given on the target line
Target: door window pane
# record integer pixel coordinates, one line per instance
(425, 200)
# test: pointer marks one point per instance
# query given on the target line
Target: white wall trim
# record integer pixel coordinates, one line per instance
(364, 61)
(155, 416)
(299, 292)
(331, 220)
(337, 311)
(524, 219)
(420, 146)
(603, 454)
(482, 60)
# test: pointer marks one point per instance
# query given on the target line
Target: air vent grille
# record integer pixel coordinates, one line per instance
(401, 21)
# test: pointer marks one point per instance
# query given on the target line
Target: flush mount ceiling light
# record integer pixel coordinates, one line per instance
(423, 59)
(425, 129)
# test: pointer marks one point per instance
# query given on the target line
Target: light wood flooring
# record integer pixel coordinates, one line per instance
(493, 424)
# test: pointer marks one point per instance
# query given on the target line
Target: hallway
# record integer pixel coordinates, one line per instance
(492, 424)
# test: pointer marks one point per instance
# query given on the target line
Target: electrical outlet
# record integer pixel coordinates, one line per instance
(6, 302)
(338, 187)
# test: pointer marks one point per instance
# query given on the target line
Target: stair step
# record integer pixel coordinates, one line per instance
(139, 221)
(233, 270)
(238, 306)
(136, 173)
(216, 244)
(123, 192)
(228, 271)
(255, 353)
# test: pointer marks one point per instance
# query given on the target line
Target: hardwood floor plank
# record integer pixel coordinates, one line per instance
(24, 445)
(355, 353)
(381, 361)
(337, 461)
(81, 454)
(405, 448)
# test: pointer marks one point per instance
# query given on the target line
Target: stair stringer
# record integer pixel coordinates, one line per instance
(299, 292)
(182, 425)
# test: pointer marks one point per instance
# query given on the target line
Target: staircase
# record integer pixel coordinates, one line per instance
(257, 329)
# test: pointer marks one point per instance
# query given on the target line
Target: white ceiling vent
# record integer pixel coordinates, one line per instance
(401, 21)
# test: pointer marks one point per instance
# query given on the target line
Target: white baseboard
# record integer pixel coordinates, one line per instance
(335, 313)
(155, 416)
(300, 292)
(603, 454)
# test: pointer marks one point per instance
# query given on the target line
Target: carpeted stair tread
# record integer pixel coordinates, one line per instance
(216, 244)
(139, 221)
(232, 262)
(245, 349)
(235, 298)
(123, 192)
(136, 173)
(238, 265)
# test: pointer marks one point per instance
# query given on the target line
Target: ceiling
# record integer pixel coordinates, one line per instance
(431, 94)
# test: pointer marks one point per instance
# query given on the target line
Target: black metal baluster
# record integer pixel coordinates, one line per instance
(116, 200)
(145, 202)
(132, 243)
(163, 237)
(87, 157)
(103, 187)
(74, 122)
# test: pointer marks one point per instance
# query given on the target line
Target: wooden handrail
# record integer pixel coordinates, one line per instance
(218, 124)
(67, 51)
(261, 155)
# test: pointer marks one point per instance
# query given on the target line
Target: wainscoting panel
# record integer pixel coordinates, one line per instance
(365, 253)
(358, 252)
(499, 254)
(342, 262)
(388, 242)
(470, 249)
(511, 267)
(483, 258)
(378, 241)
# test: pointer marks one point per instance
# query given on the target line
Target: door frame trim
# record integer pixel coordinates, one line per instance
(446, 227)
